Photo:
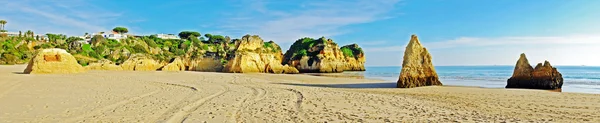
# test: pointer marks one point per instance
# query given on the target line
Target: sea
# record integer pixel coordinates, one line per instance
(577, 79)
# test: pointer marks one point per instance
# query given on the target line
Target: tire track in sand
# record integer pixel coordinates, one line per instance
(108, 107)
(10, 88)
(182, 114)
(240, 105)
(124, 102)
(299, 99)
(257, 95)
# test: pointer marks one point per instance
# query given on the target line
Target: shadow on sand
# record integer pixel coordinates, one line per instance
(353, 85)
(19, 73)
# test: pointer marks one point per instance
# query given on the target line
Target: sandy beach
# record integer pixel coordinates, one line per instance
(124, 96)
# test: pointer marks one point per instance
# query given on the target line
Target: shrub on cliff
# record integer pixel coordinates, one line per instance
(352, 50)
(301, 46)
(97, 39)
(150, 42)
(347, 52)
(87, 48)
(271, 47)
(188, 34)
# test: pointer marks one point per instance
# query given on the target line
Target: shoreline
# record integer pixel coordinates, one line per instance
(342, 75)
(135, 96)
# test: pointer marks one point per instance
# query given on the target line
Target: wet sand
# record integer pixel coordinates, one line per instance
(123, 96)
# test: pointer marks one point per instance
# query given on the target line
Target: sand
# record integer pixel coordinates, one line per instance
(122, 96)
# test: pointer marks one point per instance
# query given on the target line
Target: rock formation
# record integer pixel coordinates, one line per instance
(139, 62)
(53, 61)
(176, 64)
(543, 76)
(103, 64)
(205, 65)
(252, 55)
(321, 55)
(417, 69)
(355, 58)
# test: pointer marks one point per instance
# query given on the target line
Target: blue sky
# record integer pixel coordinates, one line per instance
(456, 32)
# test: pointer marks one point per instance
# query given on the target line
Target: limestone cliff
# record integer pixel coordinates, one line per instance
(48, 61)
(310, 55)
(177, 64)
(103, 64)
(417, 69)
(543, 76)
(253, 55)
(140, 62)
(355, 57)
(205, 65)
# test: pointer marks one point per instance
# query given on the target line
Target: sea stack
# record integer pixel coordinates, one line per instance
(543, 76)
(417, 69)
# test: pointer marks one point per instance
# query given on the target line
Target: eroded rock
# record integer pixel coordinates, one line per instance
(320, 56)
(49, 61)
(543, 76)
(103, 64)
(417, 69)
(355, 57)
(253, 55)
(140, 62)
(176, 64)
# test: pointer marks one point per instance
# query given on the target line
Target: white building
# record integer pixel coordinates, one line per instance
(113, 35)
(10, 34)
(15, 34)
(167, 36)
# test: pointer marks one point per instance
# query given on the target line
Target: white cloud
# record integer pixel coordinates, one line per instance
(310, 19)
(384, 49)
(71, 17)
(516, 41)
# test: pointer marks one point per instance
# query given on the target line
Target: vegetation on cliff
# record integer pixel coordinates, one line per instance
(301, 48)
(193, 48)
(20, 49)
(324, 55)
(352, 50)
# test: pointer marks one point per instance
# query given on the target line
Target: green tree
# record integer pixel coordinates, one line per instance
(207, 36)
(29, 33)
(73, 38)
(52, 37)
(188, 34)
(120, 30)
(3, 22)
(215, 38)
(97, 39)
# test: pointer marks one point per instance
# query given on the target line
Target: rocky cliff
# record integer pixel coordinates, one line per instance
(205, 65)
(355, 57)
(543, 76)
(103, 64)
(320, 55)
(140, 62)
(49, 61)
(417, 69)
(177, 64)
(253, 55)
